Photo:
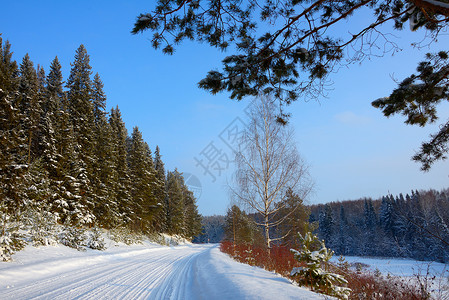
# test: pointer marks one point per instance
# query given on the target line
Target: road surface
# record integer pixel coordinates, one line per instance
(181, 272)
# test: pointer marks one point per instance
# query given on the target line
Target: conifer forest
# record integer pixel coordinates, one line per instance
(298, 200)
(64, 158)
(412, 226)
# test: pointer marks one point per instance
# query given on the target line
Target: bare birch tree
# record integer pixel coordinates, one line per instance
(268, 164)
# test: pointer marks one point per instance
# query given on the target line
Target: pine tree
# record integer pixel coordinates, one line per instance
(157, 188)
(143, 183)
(386, 216)
(175, 212)
(54, 89)
(56, 101)
(38, 189)
(436, 225)
(60, 156)
(81, 115)
(370, 226)
(69, 205)
(50, 157)
(241, 229)
(121, 185)
(369, 215)
(12, 155)
(37, 143)
(161, 193)
(80, 105)
(30, 106)
(326, 223)
(303, 46)
(192, 219)
(344, 237)
(399, 221)
(79, 87)
(99, 99)
(52, 131)
(386, 230)
(294, 217)
(417, 224)
(315, 255)
(104, 171)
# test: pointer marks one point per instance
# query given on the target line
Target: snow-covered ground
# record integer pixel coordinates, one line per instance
(401, 267)
(432, 276)
(145, 271)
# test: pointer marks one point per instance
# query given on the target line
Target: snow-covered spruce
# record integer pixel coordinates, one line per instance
(95, 240)
(73, 237)
(10, 239)
(124, 235)
(312, 275)
(5, 247)
(41, 226)
(5, 240)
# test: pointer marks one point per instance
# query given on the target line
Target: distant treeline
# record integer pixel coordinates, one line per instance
(212, 230)
(243, 228)
(413, 226)
(61, 152)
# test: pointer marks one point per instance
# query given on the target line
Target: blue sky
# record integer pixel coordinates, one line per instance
(353, 151)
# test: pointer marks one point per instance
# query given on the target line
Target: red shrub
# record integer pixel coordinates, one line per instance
(366, 285)
(363, 285)
(280, 260)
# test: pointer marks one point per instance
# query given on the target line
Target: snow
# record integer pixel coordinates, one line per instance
(146, 17)
(20, 166)
(399, 266)
(413, 21)
(433, 275)
(144, 271)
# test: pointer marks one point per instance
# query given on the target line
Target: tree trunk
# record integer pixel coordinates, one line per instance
(267, 235)
(233, 229)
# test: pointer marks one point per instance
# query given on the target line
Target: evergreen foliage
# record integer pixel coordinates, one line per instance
(161, 192)
(192, 219)
(175, 212)
(121, 186)
(64, 161)
(124, 235)
(143, 182)
(326, 221)
(6, 247)
(12, 136)
(290, 48)
(80, 108)
(414, 226)
(416, 98)
(241, 228)
(30, 106)
(295, 219)
(73, 237)
(95, 240)
(10, 238)
(212, 230)
(298, 54)
(315, 255)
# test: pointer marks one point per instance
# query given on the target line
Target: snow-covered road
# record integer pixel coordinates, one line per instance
(139, 272)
